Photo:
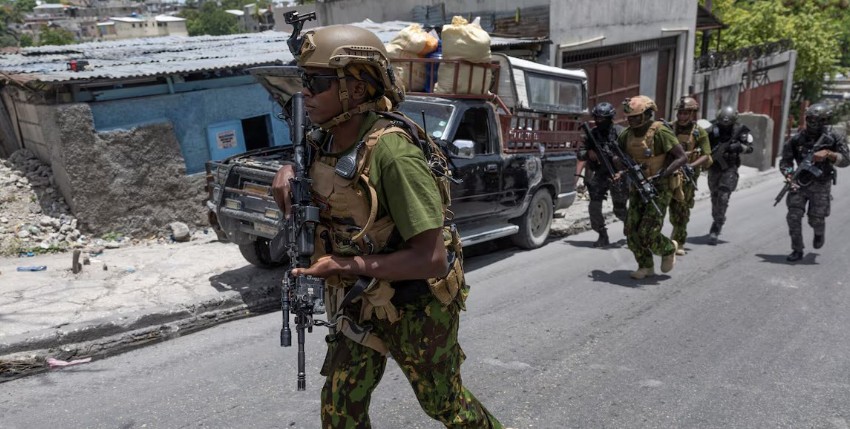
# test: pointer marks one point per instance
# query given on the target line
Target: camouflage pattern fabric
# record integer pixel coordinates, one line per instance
(680, 212)
(816, 196)
(721, 183)
(424, 344)
(643, 227)
(598, 186)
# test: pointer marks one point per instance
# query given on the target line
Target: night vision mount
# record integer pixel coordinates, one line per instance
(297, 22)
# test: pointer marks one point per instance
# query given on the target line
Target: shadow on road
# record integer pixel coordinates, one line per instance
(703, 240)
(621, 278)
(589, 244)
(258, 287)
(808, 259)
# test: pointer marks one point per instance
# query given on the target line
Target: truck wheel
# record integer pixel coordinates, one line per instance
(257, 253)
(535, 224)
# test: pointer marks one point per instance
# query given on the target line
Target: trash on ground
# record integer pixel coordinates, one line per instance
(33, 268)
(56, 363)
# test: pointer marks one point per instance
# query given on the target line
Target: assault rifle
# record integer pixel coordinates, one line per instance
(635, 177)
(303, 295)
(718, 154)
(689, 174)
(806, 165)
(603, 153)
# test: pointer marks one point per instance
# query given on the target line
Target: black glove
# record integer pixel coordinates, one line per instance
(736, 147)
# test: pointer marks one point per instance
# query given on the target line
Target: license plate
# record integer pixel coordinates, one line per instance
(265, 229)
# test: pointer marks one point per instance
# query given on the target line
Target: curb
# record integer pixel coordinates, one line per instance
(27, 354)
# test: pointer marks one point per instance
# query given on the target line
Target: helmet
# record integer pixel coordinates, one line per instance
(603, 110)
(726, 116)
(817, 116)
(356, 52)
(637, 105)
(687, 103)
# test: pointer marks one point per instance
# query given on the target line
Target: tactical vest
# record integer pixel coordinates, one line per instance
(349, 227)
(641, 150)
(689, 143)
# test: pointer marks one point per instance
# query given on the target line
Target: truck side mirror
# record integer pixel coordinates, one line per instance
(462, 148)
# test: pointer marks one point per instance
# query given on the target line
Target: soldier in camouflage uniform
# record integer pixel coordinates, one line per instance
(598, 180)
(653, 146)
(729, 140)
(383, 221)
(694, 141)
(830, 151)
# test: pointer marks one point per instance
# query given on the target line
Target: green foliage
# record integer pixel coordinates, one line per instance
(26, 40)
(55, 36)
(211, 19)
(812, 26)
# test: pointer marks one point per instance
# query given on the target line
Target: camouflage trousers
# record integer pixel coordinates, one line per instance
(598, 186)
(643, 228)
(680, 212)
(721, 183)
(424, 344)
(817, 197)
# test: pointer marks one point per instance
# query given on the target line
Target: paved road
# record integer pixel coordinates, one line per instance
(558, 337)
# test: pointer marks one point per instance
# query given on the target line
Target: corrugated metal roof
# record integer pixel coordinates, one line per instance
(133, 58)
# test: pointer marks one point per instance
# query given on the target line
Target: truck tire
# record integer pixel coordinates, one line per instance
(257, 253)
(535, 224)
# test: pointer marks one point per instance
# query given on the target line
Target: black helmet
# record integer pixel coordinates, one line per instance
(726, 117)
(817, 116)
(603, 110)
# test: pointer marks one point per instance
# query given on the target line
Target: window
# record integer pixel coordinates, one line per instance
(475, 126)
(551, 93)
(256, 131)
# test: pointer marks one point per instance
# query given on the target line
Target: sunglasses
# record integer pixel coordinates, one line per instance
(317, 83)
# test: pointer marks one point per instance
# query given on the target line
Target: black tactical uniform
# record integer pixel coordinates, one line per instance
(810, 189)
(729, 140)
(597, 178)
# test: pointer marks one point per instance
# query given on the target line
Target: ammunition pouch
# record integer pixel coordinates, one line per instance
(676, 183)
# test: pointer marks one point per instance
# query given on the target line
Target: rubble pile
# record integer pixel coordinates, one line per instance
(34, 216)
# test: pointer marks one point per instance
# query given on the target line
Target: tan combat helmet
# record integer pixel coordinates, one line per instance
(348, 48)
(639, 105)
(688, 103)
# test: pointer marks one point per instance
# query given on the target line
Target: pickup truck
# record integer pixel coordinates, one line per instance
(514, 151)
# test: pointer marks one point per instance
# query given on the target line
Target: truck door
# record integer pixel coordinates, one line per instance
(481, 191)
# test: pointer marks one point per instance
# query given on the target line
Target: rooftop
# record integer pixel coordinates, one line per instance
(154, 56)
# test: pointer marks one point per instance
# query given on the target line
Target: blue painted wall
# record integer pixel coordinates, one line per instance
(191, 113)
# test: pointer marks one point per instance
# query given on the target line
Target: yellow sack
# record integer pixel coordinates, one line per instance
(466, 41)
(411, 42)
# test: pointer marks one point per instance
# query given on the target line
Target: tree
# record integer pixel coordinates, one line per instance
(210, 19)
(55, 36)
(811, 25)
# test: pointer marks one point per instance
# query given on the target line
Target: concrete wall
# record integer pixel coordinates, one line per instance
(761, 128)
(190, 113)
(348, 11)
(131, 181)
(582, 24)
(724, 84)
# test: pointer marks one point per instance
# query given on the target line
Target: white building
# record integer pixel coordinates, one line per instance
(131, 27)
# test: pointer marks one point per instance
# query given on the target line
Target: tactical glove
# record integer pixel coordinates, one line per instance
(736, 147)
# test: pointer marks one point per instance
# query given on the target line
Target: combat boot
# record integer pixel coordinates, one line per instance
(818, 242)
(602, 241)
(642, 273)
(795, 256)
(668, 261)
(680, 250)
(713, 233)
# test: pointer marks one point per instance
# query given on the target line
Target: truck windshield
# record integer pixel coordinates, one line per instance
(436, 116)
